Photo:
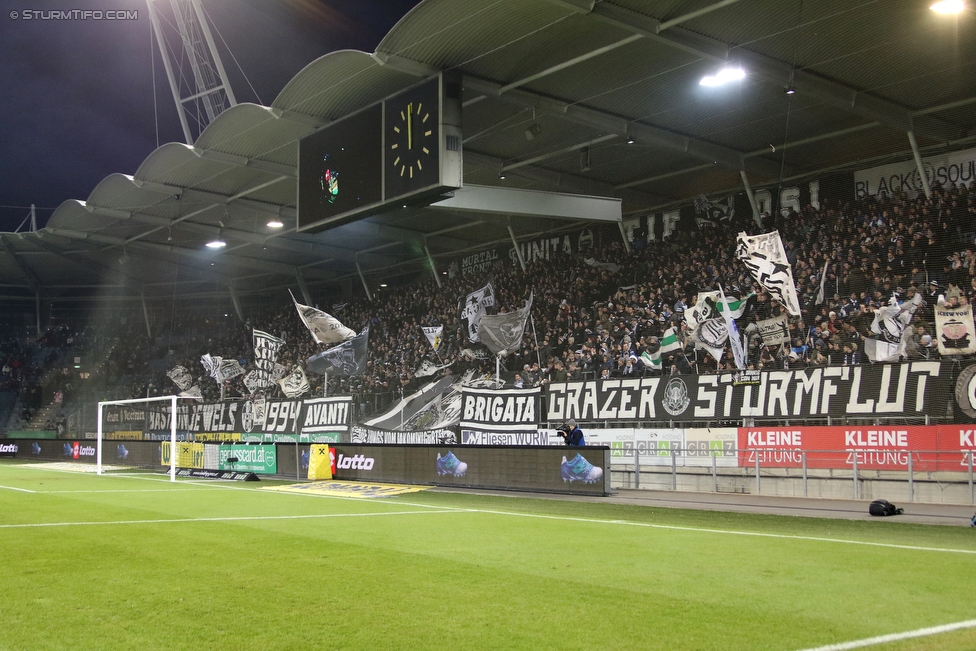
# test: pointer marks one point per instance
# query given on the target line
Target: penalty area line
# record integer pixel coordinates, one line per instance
(253, 518)
(897, 637)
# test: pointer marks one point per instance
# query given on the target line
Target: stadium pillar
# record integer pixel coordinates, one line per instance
(363, 278)
(433, 267)
(623, 236)
(145, 313)
(237, 304)
(518, 251)
(302, 286)
(918, 164)
(752, 198)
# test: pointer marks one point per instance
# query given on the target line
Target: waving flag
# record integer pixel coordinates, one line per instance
(502, 333)
(348, 358)
(765, 257)
(325, 329)
(474, 308)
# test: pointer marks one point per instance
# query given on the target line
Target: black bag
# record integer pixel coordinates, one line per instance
(884, 507)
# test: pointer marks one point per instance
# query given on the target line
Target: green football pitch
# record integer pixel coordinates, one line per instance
(137, 562)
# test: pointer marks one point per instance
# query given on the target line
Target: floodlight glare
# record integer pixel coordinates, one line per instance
(723, 76)
(216, 244)
(948, 7)
(274, 223)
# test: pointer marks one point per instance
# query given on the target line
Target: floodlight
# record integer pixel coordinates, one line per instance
(723, 76)
(948, 6)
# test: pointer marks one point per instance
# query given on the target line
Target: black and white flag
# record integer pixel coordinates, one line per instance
(502, 333)
(192, 392)
(709, 214)
(348, 358)
(712, 335)
(766, 259)
(228, 370)
(428, 368)
(180, 377)
(296, 384)
(325, 328)
(475, 307)
(774, 331)
(266, 347)
(211, 364)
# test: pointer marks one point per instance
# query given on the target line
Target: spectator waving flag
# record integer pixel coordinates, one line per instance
(325, 328)
(434, 335)
(348, 358)
(652, 360)
(766, 259)
(180, 377)
(734, 341)
(294, 385)
(474, 307)
(266, 347)
(502, 333)
(669, 341)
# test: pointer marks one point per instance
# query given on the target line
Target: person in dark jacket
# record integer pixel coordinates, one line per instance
(571, 433)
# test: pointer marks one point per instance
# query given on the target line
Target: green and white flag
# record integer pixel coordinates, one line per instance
(670, 341)
(652, 360)
(709, 306)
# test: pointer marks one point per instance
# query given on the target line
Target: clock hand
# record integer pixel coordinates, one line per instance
(410, 126)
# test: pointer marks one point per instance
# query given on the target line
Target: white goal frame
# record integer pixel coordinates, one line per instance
(172, 431)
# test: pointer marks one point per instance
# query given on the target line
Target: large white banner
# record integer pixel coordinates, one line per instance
(885, 180)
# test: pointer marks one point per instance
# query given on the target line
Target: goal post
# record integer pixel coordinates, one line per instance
(133, 401)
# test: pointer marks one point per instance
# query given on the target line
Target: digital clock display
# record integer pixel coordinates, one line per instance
(340, 168)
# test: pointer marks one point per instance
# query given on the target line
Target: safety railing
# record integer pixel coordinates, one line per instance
(894, 474)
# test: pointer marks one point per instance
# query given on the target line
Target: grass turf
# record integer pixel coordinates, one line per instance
(213, 565)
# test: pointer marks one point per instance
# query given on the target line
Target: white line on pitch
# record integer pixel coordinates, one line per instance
(895, 637)
(119, 490)
(255, 518)
(651, 525)
(22, 490)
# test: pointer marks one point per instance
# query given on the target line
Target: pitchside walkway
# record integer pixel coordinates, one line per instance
(956, 515)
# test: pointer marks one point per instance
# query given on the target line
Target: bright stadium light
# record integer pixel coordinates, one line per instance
(274, 223)
(216, 243)
(948, 7)
(723, 76)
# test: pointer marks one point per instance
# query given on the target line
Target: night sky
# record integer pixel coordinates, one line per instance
(77, 100)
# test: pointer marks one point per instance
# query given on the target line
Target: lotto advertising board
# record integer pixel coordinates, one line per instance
(531, 468)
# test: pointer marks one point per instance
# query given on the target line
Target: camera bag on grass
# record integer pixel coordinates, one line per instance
(884, 507)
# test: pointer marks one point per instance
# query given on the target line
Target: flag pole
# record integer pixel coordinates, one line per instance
(538, 355)
(325, 384)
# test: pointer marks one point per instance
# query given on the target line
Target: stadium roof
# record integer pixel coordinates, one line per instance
(579, 74)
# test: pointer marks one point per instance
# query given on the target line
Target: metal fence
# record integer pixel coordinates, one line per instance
(915, 476)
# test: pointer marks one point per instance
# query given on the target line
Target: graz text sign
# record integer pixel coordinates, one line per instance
(912, 389)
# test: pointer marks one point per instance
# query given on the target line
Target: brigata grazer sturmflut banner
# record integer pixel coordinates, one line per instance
(912, 389)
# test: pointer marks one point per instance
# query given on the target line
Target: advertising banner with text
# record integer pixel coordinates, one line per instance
(911, 389)
(932, 448)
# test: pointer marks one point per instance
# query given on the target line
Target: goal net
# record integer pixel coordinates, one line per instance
(124, 421)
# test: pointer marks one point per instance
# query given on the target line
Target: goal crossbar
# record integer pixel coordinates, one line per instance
(172, 431)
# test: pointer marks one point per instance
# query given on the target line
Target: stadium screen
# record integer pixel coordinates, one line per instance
(340, 169)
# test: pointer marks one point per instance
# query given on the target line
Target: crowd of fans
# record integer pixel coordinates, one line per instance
(595, 313)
